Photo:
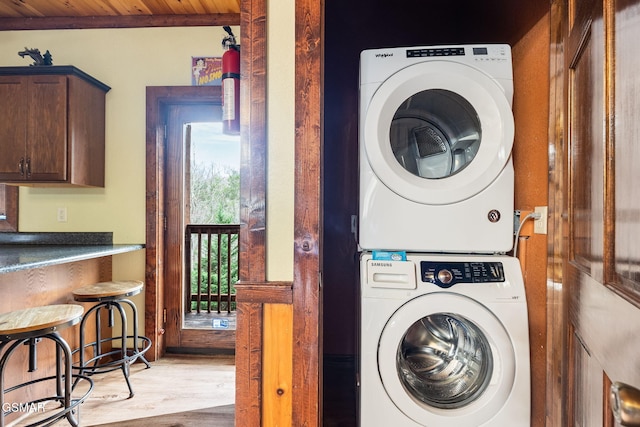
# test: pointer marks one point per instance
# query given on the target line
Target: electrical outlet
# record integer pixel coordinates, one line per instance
(540, 225)
(62, 214)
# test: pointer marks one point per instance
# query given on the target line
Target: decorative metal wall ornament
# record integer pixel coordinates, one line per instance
(38, 58)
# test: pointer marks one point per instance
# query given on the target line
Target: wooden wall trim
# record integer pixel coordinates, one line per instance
(277, 344)
(248, 364)
(253, 139)
(262, 306)
(264, 292)
(307, 302)
(154, 236)
(156, 99)
(133, 21)
(559, 343)
(253, 169)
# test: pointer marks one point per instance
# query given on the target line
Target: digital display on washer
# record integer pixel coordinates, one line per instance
(441, 51)
(447, 274)
(480, 51)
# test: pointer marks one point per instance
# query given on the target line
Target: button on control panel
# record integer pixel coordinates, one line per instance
(447, 274)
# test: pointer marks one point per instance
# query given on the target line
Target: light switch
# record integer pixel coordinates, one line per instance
(62, 214)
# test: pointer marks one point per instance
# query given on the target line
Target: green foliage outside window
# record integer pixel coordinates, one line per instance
(215, 199)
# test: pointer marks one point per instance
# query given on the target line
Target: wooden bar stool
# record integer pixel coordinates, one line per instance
(30, 326)
(111, 296)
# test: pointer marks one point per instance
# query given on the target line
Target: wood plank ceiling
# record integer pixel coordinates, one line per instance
(49, 14)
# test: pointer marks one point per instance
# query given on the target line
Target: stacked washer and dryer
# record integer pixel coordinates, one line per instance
(444, 337)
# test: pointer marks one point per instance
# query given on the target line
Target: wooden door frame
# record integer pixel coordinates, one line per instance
(307, 263)
(252, 175)
(305, 291)
(175, 113)
(158, 98)
(557, 297)
(307, 217)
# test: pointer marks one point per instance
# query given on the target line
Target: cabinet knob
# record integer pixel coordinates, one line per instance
(28, 167)
(625, 404)
(21, 166)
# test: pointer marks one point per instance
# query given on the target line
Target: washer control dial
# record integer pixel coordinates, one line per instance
(445, 276)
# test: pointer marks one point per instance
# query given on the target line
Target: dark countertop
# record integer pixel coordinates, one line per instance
(22, 251)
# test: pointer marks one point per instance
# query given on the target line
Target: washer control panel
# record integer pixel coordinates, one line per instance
(447, 274)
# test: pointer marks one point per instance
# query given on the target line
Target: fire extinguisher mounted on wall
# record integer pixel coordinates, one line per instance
(230, 84)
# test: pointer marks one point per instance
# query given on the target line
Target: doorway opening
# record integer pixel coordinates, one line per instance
(212, 206)
(199, 204)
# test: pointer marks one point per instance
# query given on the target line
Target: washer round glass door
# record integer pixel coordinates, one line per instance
(438, 132)
(446, 357)
(444, 360)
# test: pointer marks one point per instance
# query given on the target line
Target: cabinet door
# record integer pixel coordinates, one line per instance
(14, 99)
(47, 128)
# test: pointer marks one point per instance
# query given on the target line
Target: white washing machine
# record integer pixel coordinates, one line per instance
(444, 341)
(435, 134)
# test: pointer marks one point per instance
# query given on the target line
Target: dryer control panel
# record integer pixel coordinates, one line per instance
(441, 51)
(447, 274)
(489, 52)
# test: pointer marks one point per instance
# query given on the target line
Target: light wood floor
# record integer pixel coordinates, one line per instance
(173, 384)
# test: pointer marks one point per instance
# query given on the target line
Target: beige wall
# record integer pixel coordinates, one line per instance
(129, 60)
(280, 128)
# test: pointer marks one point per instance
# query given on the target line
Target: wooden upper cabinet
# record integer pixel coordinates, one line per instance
(52, 130)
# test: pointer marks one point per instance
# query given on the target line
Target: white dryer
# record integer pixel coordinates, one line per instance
(444, 341)
(435, 134)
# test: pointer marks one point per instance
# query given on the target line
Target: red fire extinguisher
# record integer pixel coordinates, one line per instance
(230, 84)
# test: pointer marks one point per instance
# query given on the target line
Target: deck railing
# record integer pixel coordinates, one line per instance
(211, 267)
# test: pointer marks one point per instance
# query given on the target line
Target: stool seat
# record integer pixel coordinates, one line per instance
(106, 290)
(29, 327)
(38, 320)
(113, 297)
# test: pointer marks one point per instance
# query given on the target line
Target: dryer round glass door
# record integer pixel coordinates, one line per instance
(444, 357)
(438, 132)
(435, 134)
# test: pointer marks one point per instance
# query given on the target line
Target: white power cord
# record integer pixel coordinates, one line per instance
(532, 215)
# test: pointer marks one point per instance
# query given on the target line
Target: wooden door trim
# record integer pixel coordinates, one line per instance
(253, 139)
(252, 246)
(191, 105)
(558, 332)
(157, 99)
(306, 289)
(307, 301)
